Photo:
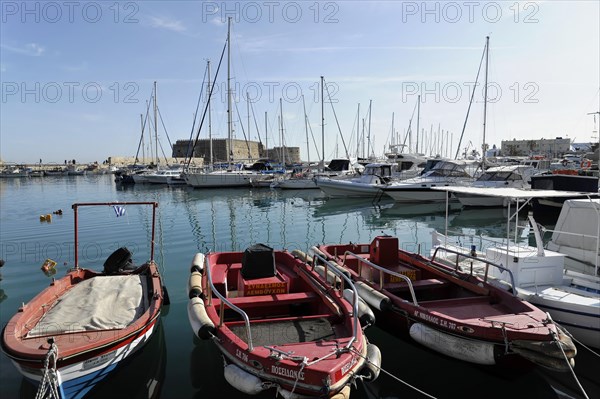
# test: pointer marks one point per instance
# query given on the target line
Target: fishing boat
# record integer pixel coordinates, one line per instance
(450, 311)
(560, 279)
(279, 324)
(71, 335)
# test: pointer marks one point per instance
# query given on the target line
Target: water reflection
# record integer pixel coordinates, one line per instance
(139, 376)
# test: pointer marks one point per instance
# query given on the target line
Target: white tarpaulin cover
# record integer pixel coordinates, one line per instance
(99, 303)
(580, 217)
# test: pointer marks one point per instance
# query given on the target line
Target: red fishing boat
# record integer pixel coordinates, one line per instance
(447, 310)
(77, 330)
(278, 324)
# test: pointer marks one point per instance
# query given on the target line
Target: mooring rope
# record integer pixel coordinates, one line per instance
(393, 376)
(558, 343)
(49, 385)
(580, 343)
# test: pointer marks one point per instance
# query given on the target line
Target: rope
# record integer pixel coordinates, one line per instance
(302, 365)
(393, 376)
(555, 336)
(579, 342)
(49, 385)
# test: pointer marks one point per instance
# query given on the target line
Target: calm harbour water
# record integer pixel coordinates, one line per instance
(174, 363)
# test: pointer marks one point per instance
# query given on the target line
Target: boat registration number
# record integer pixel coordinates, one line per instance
(91, 363)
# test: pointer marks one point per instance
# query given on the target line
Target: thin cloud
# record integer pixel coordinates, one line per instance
(30, 49)
(167, 23)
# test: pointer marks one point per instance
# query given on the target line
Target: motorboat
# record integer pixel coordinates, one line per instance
(279, 324)
(163, 176)
(516, 176)
(76, 331)
(368, 184)
(419, 189)
(448, 310)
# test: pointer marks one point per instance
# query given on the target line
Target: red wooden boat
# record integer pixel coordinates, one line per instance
(447, 310)
(279, 324)
(76, 331)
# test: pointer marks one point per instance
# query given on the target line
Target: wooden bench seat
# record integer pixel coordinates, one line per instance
(273, 300)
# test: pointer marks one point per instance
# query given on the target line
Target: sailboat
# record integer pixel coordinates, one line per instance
(306, 179)
(233, 176)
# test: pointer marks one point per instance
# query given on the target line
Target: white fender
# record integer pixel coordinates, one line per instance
(242, 380)
(302, 256)
(373, 297)
(344, 393)
(201, 324)
(195, 284)
(331, 277)
(451, 345)
(198, 263)
(372, 366)
(365, 314)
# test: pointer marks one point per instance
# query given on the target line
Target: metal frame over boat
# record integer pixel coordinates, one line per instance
(278, 324)
(447, 310)
(74, 333)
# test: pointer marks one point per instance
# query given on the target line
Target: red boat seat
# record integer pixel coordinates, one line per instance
(273, 300)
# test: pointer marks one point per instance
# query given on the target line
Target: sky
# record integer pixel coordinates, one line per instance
(76, 76)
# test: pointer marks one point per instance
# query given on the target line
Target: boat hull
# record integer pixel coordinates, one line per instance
(77, 379)
(347, 188)
(296, 184)
(85, 355)
(448, 311)
(412, 195)
(221, 179)
(580, 317)
(300, 349)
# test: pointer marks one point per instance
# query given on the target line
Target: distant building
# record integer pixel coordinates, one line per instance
(292, 154)
(552, 148)
(242, 149)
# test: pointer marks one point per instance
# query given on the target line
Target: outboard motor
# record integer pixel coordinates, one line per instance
(119, 261)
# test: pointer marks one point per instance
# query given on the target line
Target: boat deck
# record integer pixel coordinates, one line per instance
(283, 332)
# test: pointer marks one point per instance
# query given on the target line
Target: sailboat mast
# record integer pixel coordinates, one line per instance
(306, 131)
(485, 89)
(229, 137)
(266, 135)
(369, 131)
(248, 111)
(393, 134)
(281, 126)
(155, 125)
(322, 127)
(358, 131)
(210, 143)
(418, 117)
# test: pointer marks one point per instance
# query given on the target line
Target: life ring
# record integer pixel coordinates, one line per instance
(565, 162)
(586, 164)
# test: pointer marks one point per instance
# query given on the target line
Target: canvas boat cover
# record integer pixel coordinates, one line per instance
(582, 218)
(99, 303)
